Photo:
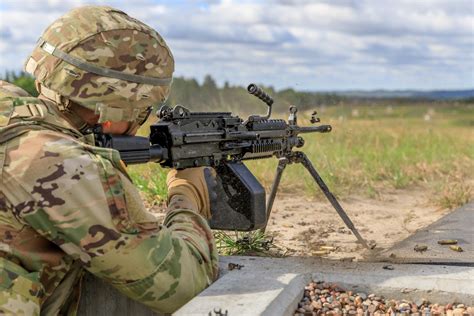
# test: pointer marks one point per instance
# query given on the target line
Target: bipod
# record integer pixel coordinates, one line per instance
(300, 157)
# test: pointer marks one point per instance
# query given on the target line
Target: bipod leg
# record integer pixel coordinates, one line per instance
(282, 163)
(309, 166)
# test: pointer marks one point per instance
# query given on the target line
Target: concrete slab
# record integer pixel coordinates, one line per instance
(274, 286)
(458, 225)
(100, 299)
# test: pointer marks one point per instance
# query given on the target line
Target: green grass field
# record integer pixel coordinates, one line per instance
(372, 148)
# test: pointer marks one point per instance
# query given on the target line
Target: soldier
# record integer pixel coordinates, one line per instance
(66, 205)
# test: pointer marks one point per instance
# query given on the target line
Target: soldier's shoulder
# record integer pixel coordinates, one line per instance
(12, 96)
(9, 90)
(36, 143)
(35, 154)
(17, 107)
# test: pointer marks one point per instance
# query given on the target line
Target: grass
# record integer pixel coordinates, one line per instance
(151, 181)
(371, 149)
(243, 243)
(454, 193)
(374, 149)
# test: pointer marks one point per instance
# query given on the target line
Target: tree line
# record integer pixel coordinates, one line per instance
(22, 80)
(208, 96)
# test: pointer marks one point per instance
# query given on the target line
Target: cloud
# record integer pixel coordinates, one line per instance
(5, 33)
(310, 45)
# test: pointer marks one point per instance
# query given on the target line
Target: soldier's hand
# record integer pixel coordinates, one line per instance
(192, 188)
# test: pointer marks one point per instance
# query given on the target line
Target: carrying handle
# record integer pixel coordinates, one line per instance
(253, 89)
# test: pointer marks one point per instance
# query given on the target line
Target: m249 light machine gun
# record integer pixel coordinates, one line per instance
(183, 139)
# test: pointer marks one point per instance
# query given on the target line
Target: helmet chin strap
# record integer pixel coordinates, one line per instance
(131, 130)
(77, 121)
(67, 109)
(139, 121)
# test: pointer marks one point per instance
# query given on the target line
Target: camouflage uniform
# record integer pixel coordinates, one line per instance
(66, 205)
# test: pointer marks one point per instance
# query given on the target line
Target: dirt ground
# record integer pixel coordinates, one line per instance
(313, 228)
(309, 227)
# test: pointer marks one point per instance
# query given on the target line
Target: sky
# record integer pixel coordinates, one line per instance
(306, 45)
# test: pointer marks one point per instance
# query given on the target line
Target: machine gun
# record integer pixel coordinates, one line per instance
(183, 139)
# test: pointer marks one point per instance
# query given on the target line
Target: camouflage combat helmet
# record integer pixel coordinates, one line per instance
(104, 60)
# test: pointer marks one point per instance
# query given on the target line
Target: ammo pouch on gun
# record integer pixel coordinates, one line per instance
(240, 202)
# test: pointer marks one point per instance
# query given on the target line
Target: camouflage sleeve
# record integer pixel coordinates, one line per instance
(78, 197)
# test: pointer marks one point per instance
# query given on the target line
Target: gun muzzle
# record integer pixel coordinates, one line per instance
(315, 129)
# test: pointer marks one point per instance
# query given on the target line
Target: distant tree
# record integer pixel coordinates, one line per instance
(22, 80)
(27, 83)
(210, 93)
(468, 100)
(209, 83)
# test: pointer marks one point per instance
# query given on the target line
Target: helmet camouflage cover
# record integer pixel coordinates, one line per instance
(104, 60)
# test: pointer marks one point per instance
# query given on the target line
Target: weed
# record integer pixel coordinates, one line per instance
(151, 180)
(240, 243)
(454, 194)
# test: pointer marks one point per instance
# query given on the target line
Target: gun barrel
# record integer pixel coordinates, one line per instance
(315, 129)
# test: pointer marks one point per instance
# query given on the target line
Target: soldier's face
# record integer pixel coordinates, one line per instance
(116, 128)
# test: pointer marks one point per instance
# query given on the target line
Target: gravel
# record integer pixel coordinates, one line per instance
(322, 298)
